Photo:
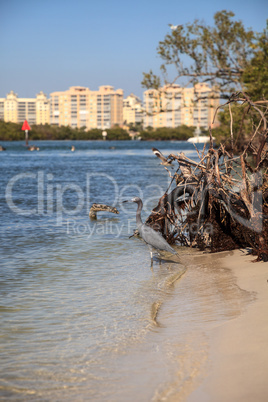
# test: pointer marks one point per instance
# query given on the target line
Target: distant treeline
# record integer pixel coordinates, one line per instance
(13, 132)
(181, 133)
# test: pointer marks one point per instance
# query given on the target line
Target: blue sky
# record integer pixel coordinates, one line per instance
(51, 45)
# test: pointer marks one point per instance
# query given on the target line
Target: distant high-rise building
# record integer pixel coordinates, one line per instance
(163, 108)
(109, 106)
(205, 101)
(10, 107)
(170, 106)
(173, 105)
(42, 109)
(16, 110)
(133, 112)
(70, 108)
(80, 107)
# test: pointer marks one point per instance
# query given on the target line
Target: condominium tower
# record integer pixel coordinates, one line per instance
(172, 106)
(16, 110)
(80, 107)
(133, 112)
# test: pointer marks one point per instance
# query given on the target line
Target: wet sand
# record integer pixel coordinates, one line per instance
(215, 331)
(237, 364)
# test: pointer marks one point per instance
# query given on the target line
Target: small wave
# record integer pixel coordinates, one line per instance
(166, 287)
(172, 279)
(154, 312)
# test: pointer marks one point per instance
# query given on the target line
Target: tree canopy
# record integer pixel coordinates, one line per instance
(12, 132)
(226, 55)
(255, 74)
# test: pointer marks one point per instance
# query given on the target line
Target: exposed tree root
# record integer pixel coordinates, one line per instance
(221, 201)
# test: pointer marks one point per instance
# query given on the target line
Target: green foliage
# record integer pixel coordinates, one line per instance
(135, 127)
(255, 75)
(117, 133)
(181, 133)
(217, 54)
(95, 134)
(255, 83)
(242, 125)
(226, 55)
(13, 132)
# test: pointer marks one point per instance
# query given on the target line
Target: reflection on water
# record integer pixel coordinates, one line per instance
(83, 317)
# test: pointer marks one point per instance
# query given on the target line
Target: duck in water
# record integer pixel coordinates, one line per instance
(101, 207)
(33, 148)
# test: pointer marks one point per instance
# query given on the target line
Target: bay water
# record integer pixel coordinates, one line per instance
(80, 305)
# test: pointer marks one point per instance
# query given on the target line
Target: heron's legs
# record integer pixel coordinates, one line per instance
(159, 258)
(151, 253)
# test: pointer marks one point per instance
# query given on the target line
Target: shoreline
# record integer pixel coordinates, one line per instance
(238, 353)
(217, 328)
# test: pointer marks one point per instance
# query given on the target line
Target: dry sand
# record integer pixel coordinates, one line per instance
(237, 368)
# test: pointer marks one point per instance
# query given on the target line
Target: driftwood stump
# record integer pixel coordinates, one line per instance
(220, 202)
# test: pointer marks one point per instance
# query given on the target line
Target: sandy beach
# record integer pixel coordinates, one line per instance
(237, 364)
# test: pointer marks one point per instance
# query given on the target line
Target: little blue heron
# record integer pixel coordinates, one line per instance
(152, 238)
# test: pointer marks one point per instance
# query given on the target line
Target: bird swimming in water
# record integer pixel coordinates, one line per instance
(73, 148)
(33, 148)
(101, 207)
(159, 154)
(151, 237)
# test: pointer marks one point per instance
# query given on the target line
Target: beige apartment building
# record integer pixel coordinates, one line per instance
(42, 109)
(70, 108)
(133, 112)
(80, 107)
(173, 106)
(16, 110)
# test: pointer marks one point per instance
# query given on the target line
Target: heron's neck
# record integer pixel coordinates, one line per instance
(138, 214)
